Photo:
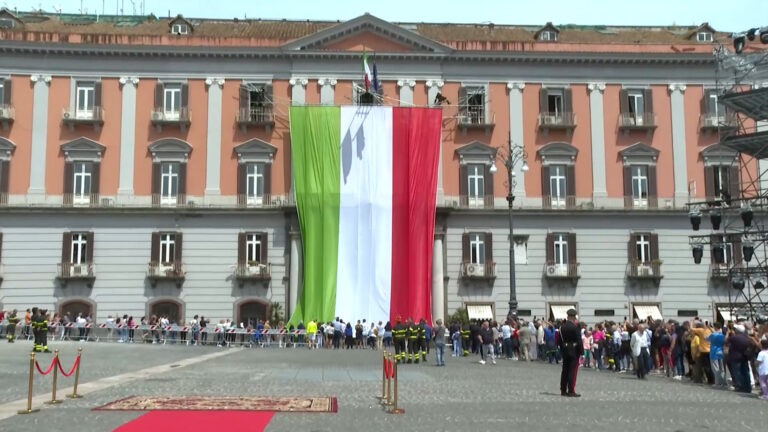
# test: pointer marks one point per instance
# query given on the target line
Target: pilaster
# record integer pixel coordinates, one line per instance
(597, 131)
(326, 90)
(433, 88)
(298, 90)
(127, 135)
(213, 141)
(678, 144)
(36, 192)
(516, 131)
(406, 91)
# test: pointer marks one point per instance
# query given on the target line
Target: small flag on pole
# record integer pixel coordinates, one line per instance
(366, 71)
(375, 81)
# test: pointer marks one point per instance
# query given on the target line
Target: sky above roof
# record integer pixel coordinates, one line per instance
(731, 17)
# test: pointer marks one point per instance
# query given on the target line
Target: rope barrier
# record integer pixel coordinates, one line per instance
(71, 371)
(50, 367)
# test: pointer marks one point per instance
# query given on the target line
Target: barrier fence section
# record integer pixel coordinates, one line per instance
(157, 334)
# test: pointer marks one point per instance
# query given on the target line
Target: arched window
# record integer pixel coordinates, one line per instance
(170, 308)
(75, 307)
(251, 311)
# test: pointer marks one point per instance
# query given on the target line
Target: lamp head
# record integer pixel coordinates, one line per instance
(524, 168)
(493, 168)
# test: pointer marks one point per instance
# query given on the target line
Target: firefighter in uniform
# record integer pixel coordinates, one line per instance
(398, 336)
(11, 330)
(42, 330)
(36, 347)
(422, 346)
(413, 341)
(570, 348)
(465, 339)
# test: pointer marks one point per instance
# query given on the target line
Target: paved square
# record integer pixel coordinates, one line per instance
(461, 396)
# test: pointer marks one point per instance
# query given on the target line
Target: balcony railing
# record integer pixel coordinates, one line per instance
(70, 272)
(631, 121)
(550, 202)
(171, 271)
(644, 270)
(648, 203)
(161, 117)
(554, 270)
(718, 271)
(476, 119)
(715, 122)
(73, 117)
(478, 271)
(178, 200)
(87, 200)
(253, 271)
(7, 114)
(256, 116)
(551, 120)
(265, 201)
(484, 201)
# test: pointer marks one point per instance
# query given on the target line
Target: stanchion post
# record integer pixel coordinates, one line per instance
(74, 394)
(383, 375)
(29, 394)
(395, 409)
(389, 381)
(53, 400)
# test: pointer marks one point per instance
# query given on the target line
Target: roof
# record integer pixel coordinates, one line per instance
(487, 36)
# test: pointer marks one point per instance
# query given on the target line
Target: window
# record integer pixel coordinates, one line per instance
(82, 183)
(548, 35)
(255, 183)
(639, 185)
(79, 248)
(169, 183)
(722, 180)
(560, 245)
(521, 250)
(167, 248)
(180, 29)
(253, 248)
(643, 248)
(687, 313)
(604, 312)
(476, 185)
(704, 37)
(555, 102)
(557, 188)
(715, 109)
(84, 100)
(476, 105)
(477, 248)
(636, 102)
(172, 102)
(724, 254)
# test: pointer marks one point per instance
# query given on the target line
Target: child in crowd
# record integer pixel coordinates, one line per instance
(586, 342)
(762, 368)
(456, 339)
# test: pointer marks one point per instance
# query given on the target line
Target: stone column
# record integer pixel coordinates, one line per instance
(678, 144)
(127, 135)
(597, 128)
(298, 90)
(433, 88)
(438, 291)
(36, 192)
(326, 90)
(516, 133)
(295, 271)
(406, 91)
(213, 141)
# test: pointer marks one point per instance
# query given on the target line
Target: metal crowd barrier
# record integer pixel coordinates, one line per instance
(173, 334)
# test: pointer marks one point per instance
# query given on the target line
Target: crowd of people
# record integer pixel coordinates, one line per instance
(732, 356)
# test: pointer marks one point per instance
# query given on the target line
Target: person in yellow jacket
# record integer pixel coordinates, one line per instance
(13, 319)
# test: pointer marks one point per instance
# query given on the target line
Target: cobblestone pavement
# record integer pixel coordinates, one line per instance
(462, 396)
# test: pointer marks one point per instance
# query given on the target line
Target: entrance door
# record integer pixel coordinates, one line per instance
(251, 312)
(169, 308)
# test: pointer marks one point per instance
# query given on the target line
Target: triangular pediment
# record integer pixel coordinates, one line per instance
(255, 150)
(366, 29)
(558, 149)
(82, 149)
(640, 150)
(476, 151)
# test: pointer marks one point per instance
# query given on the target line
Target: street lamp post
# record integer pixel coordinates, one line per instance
(515, 155)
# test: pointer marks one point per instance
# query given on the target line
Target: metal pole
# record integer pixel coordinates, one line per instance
(29, 394)
(383, 375)
(512, 282)
(74, 394)
(53, 400)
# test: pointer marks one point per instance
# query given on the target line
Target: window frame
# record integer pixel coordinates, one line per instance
(78, 242)
(557, 178)
(476, 111)
(704, 36)
(477, 253)
(548, 36)
(252, 182)
(638, 200)
(633, 97)
(556, 95)
(560, 249)
(174, 92)
(478, 198)
(169, 198)
(83, 175)
(167, 244)
(85, 92)
(643, 245)
(176, 28)
(253, 248)
(721, 180)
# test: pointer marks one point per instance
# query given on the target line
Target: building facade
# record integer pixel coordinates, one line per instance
(145, 163)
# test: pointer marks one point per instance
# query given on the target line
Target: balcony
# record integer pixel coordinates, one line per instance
(171, 271)
(265, 201)
(557, 121)
(558, 203)
(74, 117)
(259, 116)
(85, 200)
(253, 271)
(477, 202)
(68, 272)
(471, 119)
(718, 271)
(178, 200)
(555, 271)
(7, 114)
(181, 118)
(637, 270)
(475, 271)
(711, 122)
(648, 203)
(637, 121)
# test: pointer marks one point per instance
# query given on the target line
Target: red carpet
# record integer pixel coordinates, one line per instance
(186, 421)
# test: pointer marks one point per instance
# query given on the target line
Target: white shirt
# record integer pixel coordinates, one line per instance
(638, 342)
(506, 331)
(762, 360)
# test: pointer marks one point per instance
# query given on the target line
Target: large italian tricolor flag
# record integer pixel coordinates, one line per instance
(365, 179)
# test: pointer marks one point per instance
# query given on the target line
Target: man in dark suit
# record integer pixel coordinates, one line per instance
(570, 344)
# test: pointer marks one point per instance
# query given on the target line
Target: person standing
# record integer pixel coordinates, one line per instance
(398, 335)
(639, 344)
(35, 325)
(524, 336)
(13, 319)
(414, 331)
(311, 333)
(716, 340)
(485, 342)
(440, 343)
(762, 368)
(465, 342)
(506, 339)
(570, 348)
(740, 349)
